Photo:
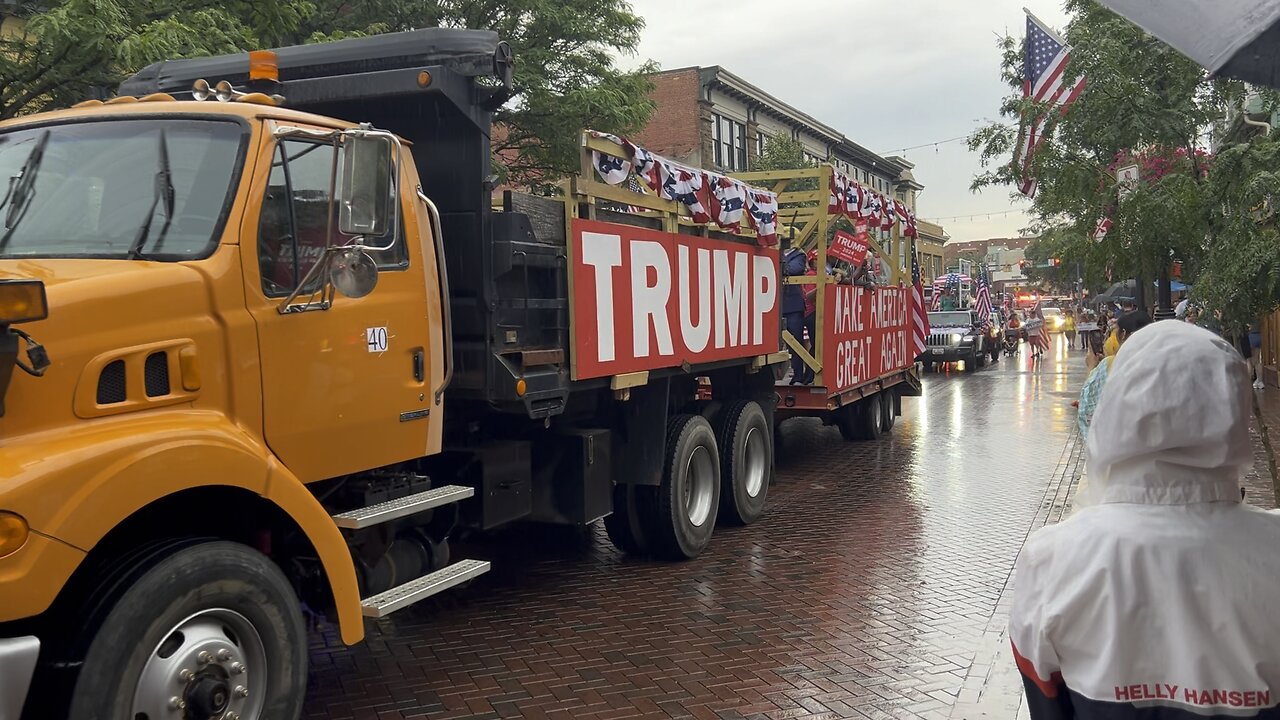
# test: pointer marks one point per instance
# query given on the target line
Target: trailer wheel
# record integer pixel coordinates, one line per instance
(870, 417)
(684, 515)
(847, 419)
(212, 629)
(624, 525)
(746, 462)
(886, 409)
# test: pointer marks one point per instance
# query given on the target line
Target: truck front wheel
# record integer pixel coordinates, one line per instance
(210, 631)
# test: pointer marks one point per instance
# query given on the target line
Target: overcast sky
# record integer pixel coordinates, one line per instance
(889, 74)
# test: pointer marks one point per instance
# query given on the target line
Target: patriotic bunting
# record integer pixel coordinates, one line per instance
(854, 195)
(836, 200)
(728, 201)
(890, 215)
(685, 186)
(612, 170)
(762, 209)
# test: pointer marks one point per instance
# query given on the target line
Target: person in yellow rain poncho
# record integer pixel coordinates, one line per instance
(1092, 390)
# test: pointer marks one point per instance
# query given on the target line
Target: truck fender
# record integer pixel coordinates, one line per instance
(296, 500)
(80, 486)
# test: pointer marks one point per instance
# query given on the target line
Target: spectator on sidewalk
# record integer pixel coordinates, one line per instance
(1157, 598)
(1092, 390)
(1069, 327)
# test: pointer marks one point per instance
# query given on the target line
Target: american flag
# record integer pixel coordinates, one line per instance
(920, 324)
(1046, 56)
(982, 305)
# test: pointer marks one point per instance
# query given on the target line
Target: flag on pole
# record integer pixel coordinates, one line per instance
(920, 320)
(982, 304)
(1103, 227)
(1045, 57)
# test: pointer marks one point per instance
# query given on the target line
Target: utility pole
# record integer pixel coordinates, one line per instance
(1164, 293)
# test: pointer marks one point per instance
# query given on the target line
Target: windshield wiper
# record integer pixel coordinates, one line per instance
(22, 189)
(163, 192)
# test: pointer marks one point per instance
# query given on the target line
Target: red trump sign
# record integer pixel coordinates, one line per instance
(644, 299)
(850, 248)
(866, 334)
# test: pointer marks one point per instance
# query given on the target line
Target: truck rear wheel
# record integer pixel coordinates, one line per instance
(887, 410)
(210, 630)
(684, 515)
(625, 525)
(746, 462)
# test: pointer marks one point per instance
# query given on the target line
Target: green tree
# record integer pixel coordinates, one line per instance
(782, 153)
(1145, 104)
(565, 76)
(59, 53)
(566, 79)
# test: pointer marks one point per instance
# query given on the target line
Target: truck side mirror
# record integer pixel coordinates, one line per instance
(366, 199)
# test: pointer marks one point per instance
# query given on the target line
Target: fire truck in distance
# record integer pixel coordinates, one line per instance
(255, 358)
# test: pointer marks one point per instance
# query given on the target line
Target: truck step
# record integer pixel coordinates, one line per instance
(408, 505)
(389, 601)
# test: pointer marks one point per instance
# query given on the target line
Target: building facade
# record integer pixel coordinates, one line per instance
(708, 117)
(930, 248)
(1003, 257)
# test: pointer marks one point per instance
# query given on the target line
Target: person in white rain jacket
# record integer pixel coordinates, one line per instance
(1160, 599)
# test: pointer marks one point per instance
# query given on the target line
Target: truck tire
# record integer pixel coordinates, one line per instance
(886, 409)
(624, 525)
(684, 514)
(847, 419)
(870, 417)
(746, 462)
(219, 598)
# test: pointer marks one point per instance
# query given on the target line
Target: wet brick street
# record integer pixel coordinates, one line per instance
(874, 587)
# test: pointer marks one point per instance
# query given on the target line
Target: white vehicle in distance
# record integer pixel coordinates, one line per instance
(1053, 319)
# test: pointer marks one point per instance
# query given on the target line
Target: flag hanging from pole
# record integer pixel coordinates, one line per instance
(1045, 57)
(982, 305)
(920, 318)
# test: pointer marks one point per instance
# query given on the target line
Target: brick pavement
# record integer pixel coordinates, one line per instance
(875, 587)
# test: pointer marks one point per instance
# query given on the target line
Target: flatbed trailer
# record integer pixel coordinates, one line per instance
(860, 356)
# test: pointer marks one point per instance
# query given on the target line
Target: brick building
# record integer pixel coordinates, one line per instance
(710, 118)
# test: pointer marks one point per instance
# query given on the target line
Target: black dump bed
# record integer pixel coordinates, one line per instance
(508, 291)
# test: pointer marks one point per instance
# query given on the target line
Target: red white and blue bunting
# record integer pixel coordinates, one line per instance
(708, 196)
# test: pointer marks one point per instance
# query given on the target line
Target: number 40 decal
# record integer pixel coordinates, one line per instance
(375, 339)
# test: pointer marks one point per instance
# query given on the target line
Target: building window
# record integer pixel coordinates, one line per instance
(730, 139)
(761, 139)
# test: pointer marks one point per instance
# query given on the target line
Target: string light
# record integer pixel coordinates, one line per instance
(933, 145)
(987, 215)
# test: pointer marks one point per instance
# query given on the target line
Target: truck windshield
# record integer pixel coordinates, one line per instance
(950, 319)
(140, 188)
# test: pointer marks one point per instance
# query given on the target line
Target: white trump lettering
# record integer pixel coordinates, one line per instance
(649, 302)
(765, 286)
(731, 319)
(604, 253)
(695, 336)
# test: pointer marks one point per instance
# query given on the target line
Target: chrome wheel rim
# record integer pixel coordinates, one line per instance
(210, 666)
(756, 462)
(699, 485)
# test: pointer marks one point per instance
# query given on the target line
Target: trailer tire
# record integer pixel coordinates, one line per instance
(847, 420)
(203, 598)
(684, 514)
(886, 409)
(624, 524)
(870, 418)
(746, 462)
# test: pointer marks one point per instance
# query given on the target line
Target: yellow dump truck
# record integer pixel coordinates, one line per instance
(258, 362)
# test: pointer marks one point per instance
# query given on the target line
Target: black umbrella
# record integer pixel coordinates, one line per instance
(1232, 38)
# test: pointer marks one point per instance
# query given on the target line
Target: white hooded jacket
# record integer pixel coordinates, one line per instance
(1161, 598)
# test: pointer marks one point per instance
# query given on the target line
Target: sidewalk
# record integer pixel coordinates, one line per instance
(993, 688)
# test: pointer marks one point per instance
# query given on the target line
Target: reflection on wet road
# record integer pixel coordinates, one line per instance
(864, 592)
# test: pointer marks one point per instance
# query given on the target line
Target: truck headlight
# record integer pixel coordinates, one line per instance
(968, 338)
(13, 532)
(22, 301)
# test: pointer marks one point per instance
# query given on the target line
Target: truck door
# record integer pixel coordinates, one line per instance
(346, 387)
